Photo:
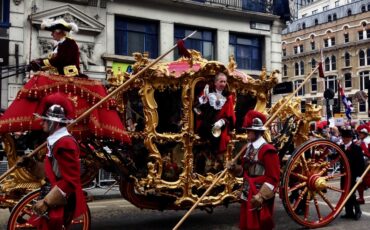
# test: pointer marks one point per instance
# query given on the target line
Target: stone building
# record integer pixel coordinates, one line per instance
(110, 31)
(343, 34)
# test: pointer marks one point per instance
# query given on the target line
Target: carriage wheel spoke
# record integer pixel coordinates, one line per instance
(299, 176)
(332, 162)
(307, 208)
(298, 186)
(300, 197)
(304, 164)
(326, 200)
(335, 176)
(334, 188)
(27, 211)
(317, 207)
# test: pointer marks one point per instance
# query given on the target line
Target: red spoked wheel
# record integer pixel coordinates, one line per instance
(316, 182)
(22, 212)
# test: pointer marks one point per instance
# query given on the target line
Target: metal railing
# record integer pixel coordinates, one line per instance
(263, 6)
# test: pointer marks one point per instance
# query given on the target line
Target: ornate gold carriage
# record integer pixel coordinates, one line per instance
(168, 165)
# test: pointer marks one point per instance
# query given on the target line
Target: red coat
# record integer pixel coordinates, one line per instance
(68, 54)
(228, 115)
(66, 152)
(261, 219)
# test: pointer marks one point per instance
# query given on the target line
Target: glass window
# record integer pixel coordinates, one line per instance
(134, 35)
(367, 34)
(313, 84)
(313, 46)
(316, 21)
(247, 51)
(325, 8)
(301, 50)
(346, 38)
(329, 18)
(347, 59)
(313, 63)
(362, 57)
(300, 92)
(364, 80)
(295, 49)
(334, 16)
(284, 52)
(296, 69)
(327, 64)
(4, 13)
(363, 8)
(362, 106)
(336, 3)
(349, 12)
(203, 41)
(332, 41)
(314, 12)
(333, 63)
(285, 70)
(331, 82)
(303, 25)
(326, 42)
(360, 35)
(302, 67)
(347, 80)
(368, 56)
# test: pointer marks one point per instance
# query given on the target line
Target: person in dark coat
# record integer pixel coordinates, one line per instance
(357, 166)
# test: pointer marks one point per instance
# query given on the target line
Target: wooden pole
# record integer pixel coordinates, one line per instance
(111, 94)
(270, 119)
(353, 189)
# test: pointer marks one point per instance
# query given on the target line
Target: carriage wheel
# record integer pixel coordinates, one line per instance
(22, 212)
(316, 182)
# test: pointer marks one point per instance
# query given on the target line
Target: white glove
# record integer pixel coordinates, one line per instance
(204, 98)
(219, 123)
(357, 179)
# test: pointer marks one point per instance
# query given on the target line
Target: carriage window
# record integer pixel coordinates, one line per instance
(169, 110)
(134, 114)
(172, 160)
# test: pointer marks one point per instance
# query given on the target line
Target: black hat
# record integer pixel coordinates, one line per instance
(346, 131)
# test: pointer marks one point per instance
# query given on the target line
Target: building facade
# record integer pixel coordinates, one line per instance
(345, 42)
(110, 31)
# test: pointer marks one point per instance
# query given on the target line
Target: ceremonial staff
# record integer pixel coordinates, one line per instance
(114, 92)
(270, 119)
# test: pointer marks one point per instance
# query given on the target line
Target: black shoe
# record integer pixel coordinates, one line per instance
(357, 215)
(348, 216)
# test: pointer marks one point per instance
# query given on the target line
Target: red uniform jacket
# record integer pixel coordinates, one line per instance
(68, 54)
(261, 219)
(66, 152)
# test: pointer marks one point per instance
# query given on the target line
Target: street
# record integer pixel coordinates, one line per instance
(114, 214)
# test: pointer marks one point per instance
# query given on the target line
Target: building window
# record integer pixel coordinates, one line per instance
(313, 45)
(325, 8)
(333, 63)
(329, 18)
(331, 83)
(332, 41)
(346, 38)
(134, 35)
(334, 17)
(360, 35)
(347, 80)
(284, 52)
(368, 7)
(203, 41)
(336, 3)
(295, 49)
(301, 50)
(364, 79)
(327, 64)
(301, 65)
(347, 59)
(303, 25)
(313, 84)
(285, 70)
(4, 14)
(363, 8)
(362, 107)
(300, 92)
(349, 12)
(314, 12)
(316, 21)
(303, 106)
(247, 50)
(313, 63)
(367, 33)
(361, 55)
(329, 42)
(368, 56)
(296, 69)
(326, 42)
